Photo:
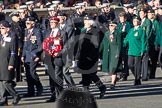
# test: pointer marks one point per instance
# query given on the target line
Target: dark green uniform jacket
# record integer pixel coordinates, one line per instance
(154, 31)
(147, 27)
(158, 40)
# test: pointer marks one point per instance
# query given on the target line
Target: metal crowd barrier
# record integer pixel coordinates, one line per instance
(43, 12)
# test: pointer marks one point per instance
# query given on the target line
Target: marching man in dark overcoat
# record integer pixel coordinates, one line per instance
(7, 64)
(87, 56)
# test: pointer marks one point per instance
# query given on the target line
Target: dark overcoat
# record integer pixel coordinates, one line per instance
(7, 57)
(87, 53)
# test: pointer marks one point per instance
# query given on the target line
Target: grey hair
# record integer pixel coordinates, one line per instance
(92, 22)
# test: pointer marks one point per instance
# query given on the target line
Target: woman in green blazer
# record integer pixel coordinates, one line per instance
(111, 49)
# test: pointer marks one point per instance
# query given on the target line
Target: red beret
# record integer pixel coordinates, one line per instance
(55, 19)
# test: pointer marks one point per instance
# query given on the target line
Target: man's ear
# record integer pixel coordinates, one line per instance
(33, 23)
(8, 29)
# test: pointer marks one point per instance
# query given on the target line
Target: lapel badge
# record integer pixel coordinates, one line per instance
(111, 37)
(136, 34)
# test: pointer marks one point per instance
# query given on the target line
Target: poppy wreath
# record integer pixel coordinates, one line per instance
(50, 47)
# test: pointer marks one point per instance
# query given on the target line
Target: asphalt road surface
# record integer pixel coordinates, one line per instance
(147, 95)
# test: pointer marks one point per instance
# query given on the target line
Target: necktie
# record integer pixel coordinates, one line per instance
(2, 40)
(52, 34)
(29, 34)
(123, 30)
(61, 27)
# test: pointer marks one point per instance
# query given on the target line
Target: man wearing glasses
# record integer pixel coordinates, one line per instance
(31, 56)
(55, 64)
(7, 57)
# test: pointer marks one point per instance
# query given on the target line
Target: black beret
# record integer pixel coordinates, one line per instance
(137, 17)
(30, 19)
(60, 13)
(87, 17)
(151, 11)
(5, 24)
(113, 23)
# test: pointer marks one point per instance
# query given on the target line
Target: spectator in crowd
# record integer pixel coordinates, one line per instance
(2, 15)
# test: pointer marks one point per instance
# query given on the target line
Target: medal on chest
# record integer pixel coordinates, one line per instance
(111, 37)
(33, 39)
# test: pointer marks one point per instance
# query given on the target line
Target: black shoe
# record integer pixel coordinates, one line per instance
(145, 79)
(137, 82)
(52, 99)
(102, 91)
(4, 103)
(28, 95)
(39, 93)
(152, 77)
(112, 87)
(16, 100)
(124, 78)
(81, 82)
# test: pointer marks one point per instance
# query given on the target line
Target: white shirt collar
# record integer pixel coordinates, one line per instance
(136, 27)
(143, 20)
(62, 25)
(31, 30)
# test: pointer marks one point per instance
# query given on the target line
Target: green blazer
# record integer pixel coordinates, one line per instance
(111, 52)
(154, 31)
(147, 28)
(158, 39)
(135, 40)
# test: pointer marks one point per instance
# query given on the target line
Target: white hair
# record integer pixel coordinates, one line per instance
(92, 22)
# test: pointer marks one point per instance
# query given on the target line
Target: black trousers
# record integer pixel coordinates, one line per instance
(18, 69)
(145, 68)
(67, 76)
(153, 54)
(55, 72)
(5, 88)
(125, 60)
(32, 77)
(160, 57)
(87, 78)
(134, 64)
